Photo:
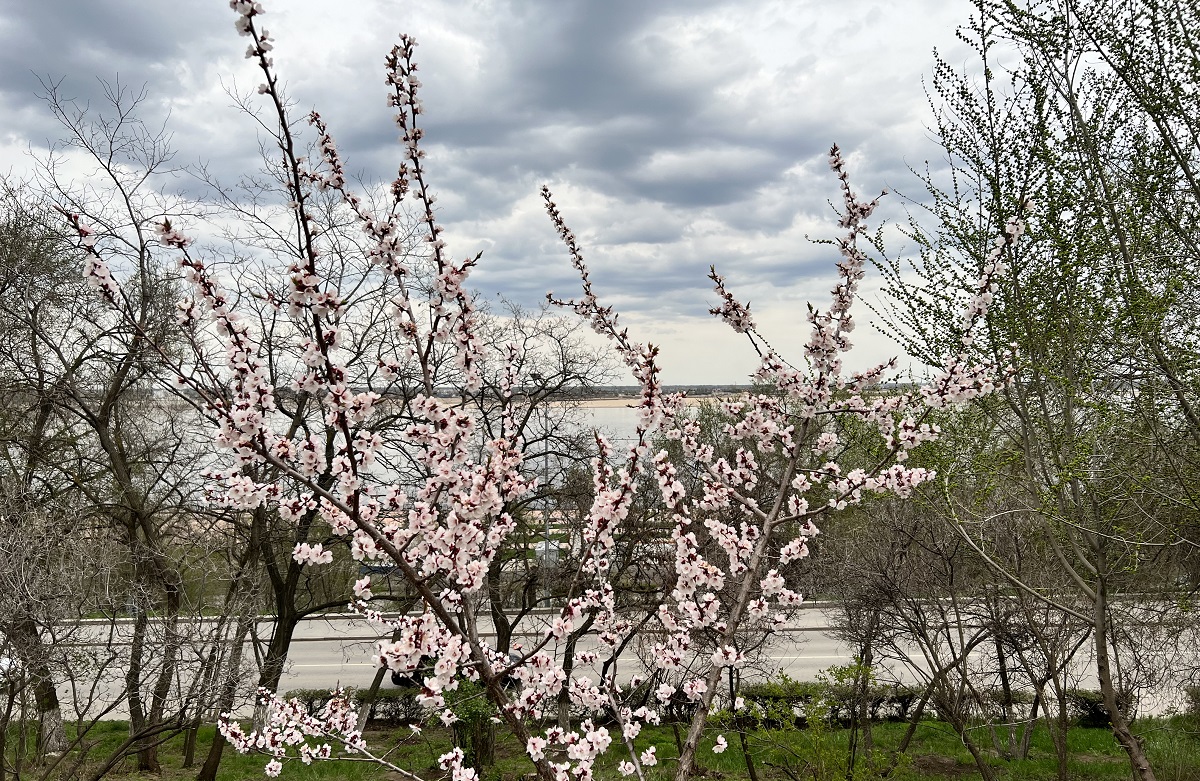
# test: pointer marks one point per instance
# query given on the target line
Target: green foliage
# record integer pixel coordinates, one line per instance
(475, 730)
(469, 702)
(1087, 705)
(831, 698)
(782, 755)
(818, 708)
(1192, 698)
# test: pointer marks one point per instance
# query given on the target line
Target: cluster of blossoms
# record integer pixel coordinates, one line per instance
(735, 314)
(752, 515)
(95, 270)
(289, 728)
(739, 515)
(442, 531)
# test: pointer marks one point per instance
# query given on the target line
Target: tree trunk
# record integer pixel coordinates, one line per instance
(147, 755)
(276, 658)
(961, 727)
(1030, 723)
(687, 757)
(160, 696)
(152, 571)
(10, 695)
(208, 771)
(477, 739)
(285, 584)
(739, 722)
(564, 696)
(364, 709)
(500, 621)
(27, 643)
(52, 733)
(1008, 748)
(862, 717)
(1058, 724)
(189, 744)
(1138, 761)
(914, 720)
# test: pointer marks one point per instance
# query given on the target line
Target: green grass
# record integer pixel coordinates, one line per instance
(936, 754)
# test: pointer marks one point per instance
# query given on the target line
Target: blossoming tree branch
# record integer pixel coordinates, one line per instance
(735, 530)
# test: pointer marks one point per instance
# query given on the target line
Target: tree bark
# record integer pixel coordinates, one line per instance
(27, 642)
(241, 586)
(208, 771)
(276, 658)
(1138, 761)
(147, 756)
(961, 726)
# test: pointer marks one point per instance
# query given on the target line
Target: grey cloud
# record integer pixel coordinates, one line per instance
(674, 144)
(88, 41)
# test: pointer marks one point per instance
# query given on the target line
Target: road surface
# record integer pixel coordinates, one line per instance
(328, 652)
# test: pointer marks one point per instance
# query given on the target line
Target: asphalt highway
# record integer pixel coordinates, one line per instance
(328, 652)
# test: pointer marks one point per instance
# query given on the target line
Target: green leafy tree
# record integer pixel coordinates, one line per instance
(1097, 431)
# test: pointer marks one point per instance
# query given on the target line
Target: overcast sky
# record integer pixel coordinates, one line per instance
(675, 133)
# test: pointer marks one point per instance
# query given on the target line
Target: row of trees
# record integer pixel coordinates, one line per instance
(363, 402)
(923, 611)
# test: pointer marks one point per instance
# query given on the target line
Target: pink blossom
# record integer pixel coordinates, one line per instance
(535, 747)
(312, 554)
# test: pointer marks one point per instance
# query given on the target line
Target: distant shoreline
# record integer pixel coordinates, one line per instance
(615, 402)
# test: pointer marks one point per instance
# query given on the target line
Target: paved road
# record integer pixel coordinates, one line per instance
(328, 652)
(800, 654)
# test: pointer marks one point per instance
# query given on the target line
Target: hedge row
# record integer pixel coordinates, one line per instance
(388, 706)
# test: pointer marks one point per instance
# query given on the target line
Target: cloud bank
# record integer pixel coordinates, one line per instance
(674, 134)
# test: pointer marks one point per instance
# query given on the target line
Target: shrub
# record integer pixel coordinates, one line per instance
(1087, 705)
(1191, 695)
(786, 700)
(388, 706)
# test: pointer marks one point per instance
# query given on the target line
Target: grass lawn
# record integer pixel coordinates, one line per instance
(783, 754)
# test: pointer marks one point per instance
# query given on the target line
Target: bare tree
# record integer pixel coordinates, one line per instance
(134, 467)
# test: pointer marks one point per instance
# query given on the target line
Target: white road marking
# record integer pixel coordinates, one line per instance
(835, 656)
